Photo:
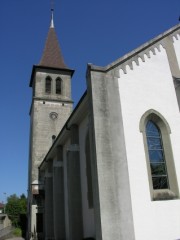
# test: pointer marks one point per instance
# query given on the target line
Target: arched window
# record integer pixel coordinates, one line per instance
(159, 156)
(58, 85)
(156, 156)
(48, 85)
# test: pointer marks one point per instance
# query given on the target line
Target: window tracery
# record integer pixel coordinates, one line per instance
(156, 156)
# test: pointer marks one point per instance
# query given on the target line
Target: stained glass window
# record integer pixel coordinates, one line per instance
(156, 156)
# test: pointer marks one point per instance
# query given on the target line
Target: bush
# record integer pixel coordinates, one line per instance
(17, 232)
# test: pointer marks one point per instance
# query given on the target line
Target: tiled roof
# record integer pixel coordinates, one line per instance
(52, 55)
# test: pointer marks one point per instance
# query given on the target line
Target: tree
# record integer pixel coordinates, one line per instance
(15, 207)
(23, 204)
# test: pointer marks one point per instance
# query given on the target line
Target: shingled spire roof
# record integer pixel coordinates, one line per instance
(52, 55)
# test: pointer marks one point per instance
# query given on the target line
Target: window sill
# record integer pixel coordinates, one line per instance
(164, 194)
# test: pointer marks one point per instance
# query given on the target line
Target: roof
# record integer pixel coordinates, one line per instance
(52, 55)
(52, 58)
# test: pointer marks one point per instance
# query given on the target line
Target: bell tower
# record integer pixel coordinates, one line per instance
(50, 108)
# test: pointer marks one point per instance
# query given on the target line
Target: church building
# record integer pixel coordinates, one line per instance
(110, 168)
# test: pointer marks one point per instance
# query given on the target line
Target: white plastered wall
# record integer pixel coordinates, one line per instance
(150, 86)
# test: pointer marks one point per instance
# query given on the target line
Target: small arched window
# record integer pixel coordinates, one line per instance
(58, 85)
(48, 85)
(156, 156)
(159, 156)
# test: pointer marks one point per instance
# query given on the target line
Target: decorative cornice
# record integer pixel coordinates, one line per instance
(176, 36)
(138, 55)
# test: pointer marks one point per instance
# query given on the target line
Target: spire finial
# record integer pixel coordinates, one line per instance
(52, 16)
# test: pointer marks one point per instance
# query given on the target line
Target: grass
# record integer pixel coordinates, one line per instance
(17, 232)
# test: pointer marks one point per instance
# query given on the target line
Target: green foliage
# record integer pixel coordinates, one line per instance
(23, 204)
(17, 232)
(15, 207)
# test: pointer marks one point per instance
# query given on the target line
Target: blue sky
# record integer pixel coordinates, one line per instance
(96, 31)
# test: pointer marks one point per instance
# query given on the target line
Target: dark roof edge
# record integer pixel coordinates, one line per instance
(134, 52)
(71, 71)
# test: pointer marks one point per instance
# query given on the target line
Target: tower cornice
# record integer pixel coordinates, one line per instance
(36, 68)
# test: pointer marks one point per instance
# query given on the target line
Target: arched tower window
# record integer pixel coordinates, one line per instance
(48, 85)
(159, 156)
(156, 156)
(58, 85)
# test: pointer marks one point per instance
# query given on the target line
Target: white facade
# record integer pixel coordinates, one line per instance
(149, 86)
(147, 80)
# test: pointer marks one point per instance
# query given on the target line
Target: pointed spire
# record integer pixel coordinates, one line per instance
(52, 55)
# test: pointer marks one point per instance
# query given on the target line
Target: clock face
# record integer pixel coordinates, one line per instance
(53, 115)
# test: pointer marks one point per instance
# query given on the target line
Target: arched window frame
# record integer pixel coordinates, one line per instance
(48, 85)
(58, 85)
(172, 192)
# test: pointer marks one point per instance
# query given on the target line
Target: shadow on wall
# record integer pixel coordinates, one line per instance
(89, 238)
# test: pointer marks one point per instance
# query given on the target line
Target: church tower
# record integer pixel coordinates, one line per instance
(50, 108)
